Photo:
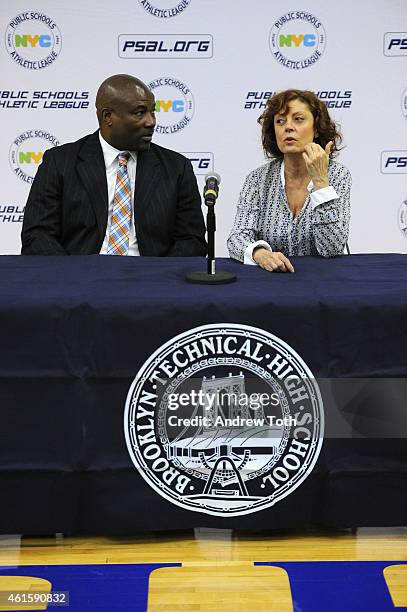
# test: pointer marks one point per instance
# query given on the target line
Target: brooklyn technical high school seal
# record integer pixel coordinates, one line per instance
(224, 419)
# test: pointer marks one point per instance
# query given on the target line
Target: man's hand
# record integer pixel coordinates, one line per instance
(273, 261)
(316, 160)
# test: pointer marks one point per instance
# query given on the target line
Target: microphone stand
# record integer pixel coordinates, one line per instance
(211, 277)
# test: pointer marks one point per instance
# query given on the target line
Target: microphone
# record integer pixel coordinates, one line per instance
(211, 188)
(211, 277)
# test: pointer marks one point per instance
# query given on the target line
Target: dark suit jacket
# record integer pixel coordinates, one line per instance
(67, 208)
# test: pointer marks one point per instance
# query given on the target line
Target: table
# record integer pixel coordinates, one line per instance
(76, 331)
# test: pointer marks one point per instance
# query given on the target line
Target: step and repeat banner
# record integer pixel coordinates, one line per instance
(212, 65)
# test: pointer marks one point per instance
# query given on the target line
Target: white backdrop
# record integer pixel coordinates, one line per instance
(212, 64)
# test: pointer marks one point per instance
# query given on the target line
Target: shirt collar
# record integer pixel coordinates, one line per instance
(110, 153)
(310, 185)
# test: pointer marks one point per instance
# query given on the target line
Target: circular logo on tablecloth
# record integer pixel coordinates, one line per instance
(33, 40)
(165, 8)
(402, 218)
(174, 105)
(224, 419)
(26, 152)
(297, 40)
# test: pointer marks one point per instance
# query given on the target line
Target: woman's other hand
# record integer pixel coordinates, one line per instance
(273, 261)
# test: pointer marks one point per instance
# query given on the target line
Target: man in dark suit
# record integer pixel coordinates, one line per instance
(72, 208)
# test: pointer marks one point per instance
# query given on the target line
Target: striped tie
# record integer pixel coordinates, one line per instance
(121, 216)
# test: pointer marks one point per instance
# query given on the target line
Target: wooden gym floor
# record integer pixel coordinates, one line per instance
(214, 568)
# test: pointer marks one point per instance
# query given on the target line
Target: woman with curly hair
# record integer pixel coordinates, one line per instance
(299, 202)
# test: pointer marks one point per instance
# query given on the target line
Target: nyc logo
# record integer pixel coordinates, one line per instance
(307, 40)
(27, 150)
(297, 40)
(176, 106)
(33, 50)
(24, 40)
(28, 157)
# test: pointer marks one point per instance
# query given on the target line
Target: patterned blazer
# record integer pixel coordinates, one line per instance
(263, 213)
(67, 208)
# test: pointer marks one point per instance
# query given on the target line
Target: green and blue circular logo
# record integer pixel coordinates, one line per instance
(33, 40)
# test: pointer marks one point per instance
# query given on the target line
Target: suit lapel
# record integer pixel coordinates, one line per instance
(147, 177)
(92, 171)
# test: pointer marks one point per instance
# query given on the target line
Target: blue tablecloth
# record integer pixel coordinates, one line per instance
(76, 330)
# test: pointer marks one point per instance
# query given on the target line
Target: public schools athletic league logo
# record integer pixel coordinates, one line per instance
(174, 105)
(27, 150)
(165, 8)
(297, 40)
(224, 419)
(33, 40)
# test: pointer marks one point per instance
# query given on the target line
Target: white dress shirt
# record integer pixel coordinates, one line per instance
(110, 155)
